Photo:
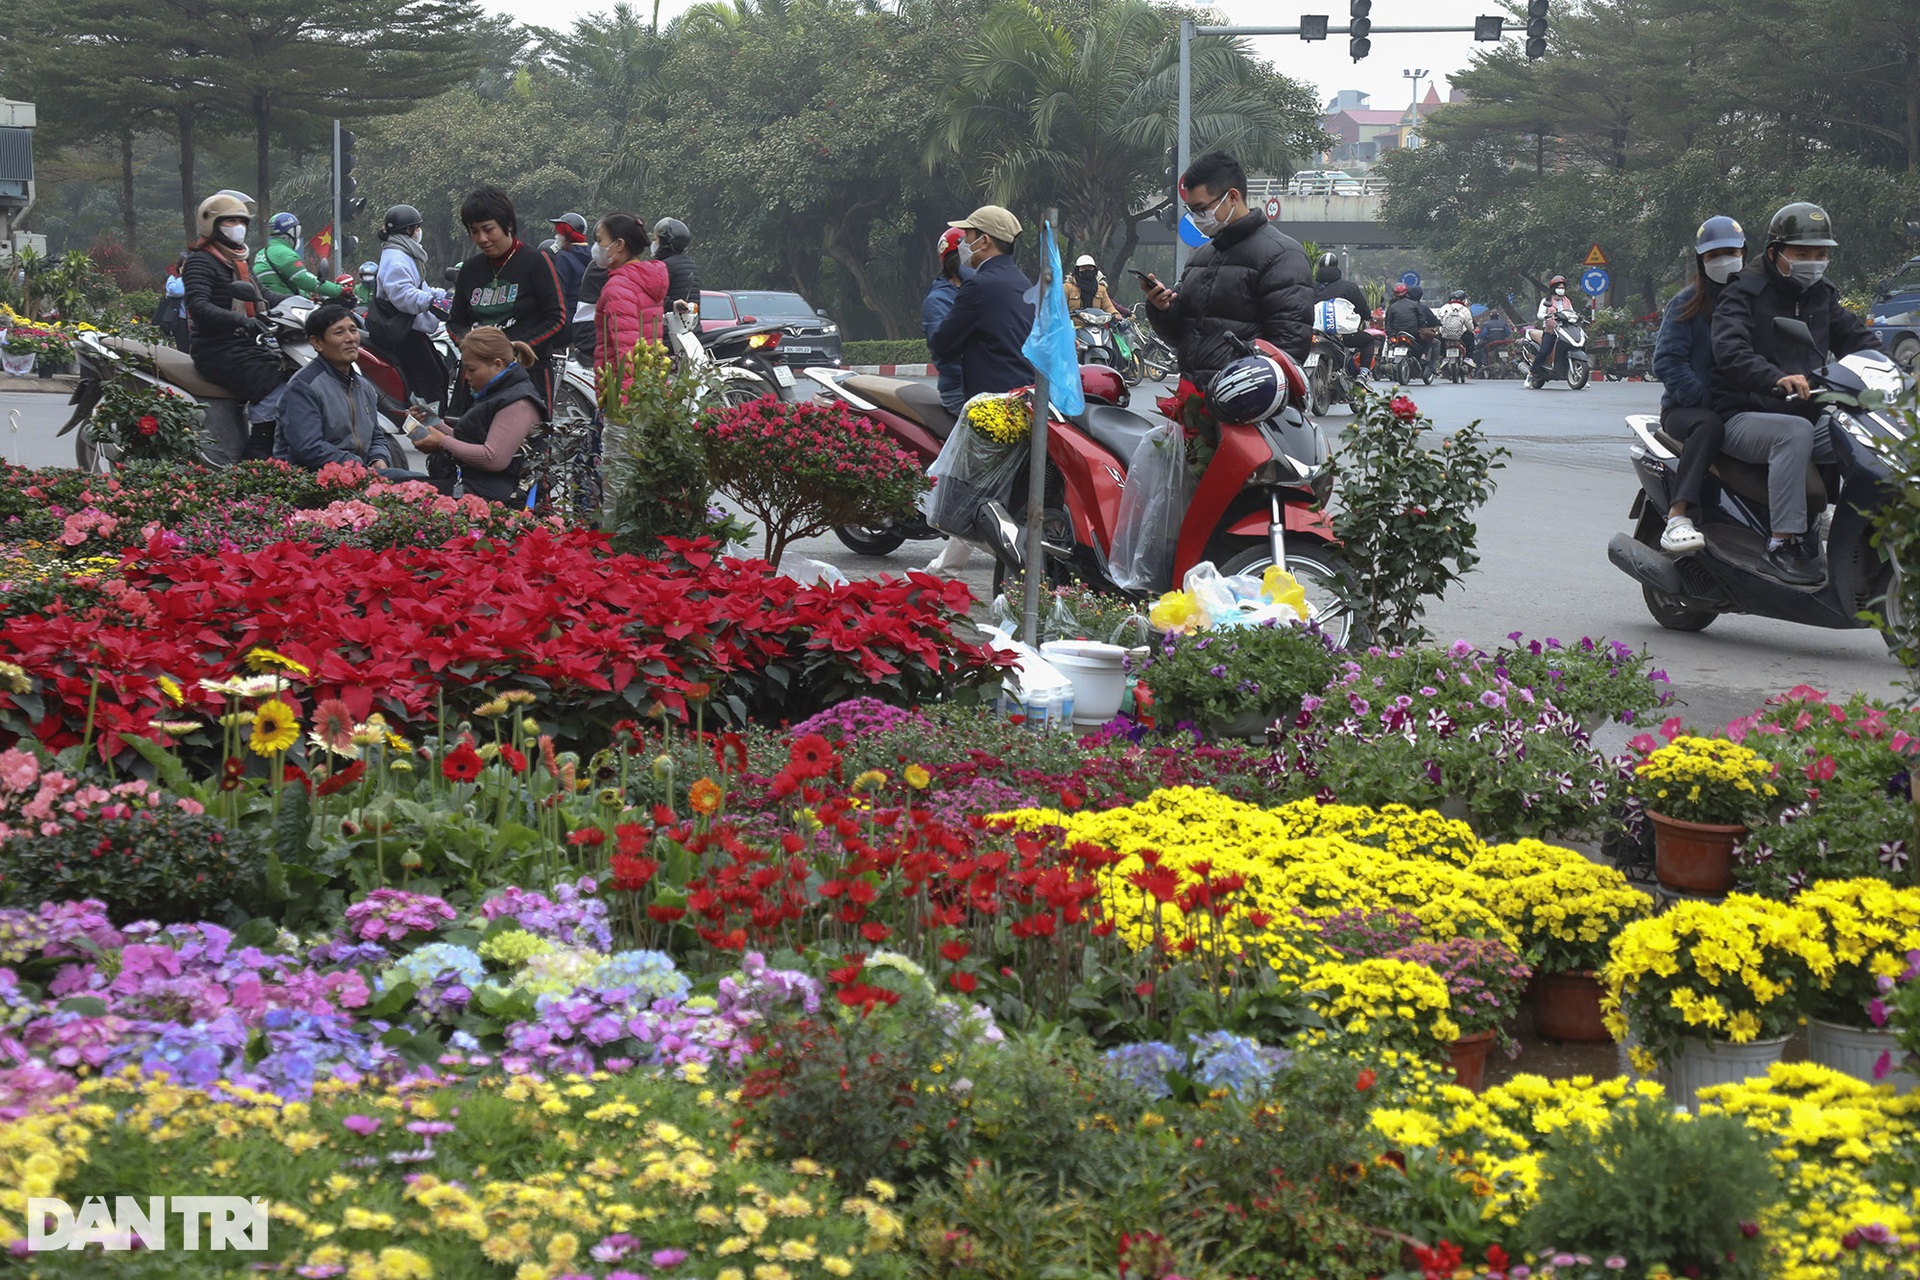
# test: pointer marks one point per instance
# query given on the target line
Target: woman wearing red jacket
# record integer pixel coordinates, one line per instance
(629, 311)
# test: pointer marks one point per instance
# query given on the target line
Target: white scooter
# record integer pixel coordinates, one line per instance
(1571, 363)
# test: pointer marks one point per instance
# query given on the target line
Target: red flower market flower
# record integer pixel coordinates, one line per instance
(463, 764)
(811, 756)
(149, 425)
(1403, 409)
(964, 983)
(1364, 1081)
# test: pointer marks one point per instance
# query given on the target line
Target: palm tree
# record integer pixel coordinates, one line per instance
(1082, 117)
(618, 59)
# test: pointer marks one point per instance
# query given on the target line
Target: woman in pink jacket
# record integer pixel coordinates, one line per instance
(629, 310)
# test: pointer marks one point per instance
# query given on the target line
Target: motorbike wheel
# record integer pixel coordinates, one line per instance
(869, 540)
(1320, 391)
(1324, 574)
(1666, 611)
(1577, 375)
(574, 404)
(1426, 375)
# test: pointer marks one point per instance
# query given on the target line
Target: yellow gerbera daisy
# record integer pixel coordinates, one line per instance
(276, 726)
(171, 687)
(261, 659)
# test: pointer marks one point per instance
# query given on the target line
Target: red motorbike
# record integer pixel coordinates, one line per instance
(1259, 502)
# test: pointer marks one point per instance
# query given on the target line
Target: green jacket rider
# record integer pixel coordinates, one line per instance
(277, 266)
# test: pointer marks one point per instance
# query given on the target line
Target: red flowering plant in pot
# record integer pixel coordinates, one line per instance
(137, 420)
(407, 629)
(802, 469)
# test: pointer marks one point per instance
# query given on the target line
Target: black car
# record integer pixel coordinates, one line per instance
(816, 339)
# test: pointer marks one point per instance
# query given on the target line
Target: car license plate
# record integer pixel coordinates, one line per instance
(783, 375)
(1313, 360)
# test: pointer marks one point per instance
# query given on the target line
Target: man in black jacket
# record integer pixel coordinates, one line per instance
(991, 317)
(671, 238)
(1327, 286)
(1754, 367)
(1252, 281)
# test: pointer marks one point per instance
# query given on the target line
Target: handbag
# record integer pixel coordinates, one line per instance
(387, 325)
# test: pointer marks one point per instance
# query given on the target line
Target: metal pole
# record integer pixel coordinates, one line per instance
(333, 245)
(1182, 137)
(1036, 553)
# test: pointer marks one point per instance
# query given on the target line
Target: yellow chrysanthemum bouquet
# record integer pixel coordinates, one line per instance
(1710, 780)
(1738, 970)
(1003, 419)
(1871, 927)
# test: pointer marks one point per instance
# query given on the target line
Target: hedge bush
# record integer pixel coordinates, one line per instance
(892, 351)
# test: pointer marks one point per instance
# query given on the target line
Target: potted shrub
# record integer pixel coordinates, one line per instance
(1485, 981)
(138, 420)
(1712, 989)
(1700, 794)
(1235, 681)
(1871, 927)
(1566, 911)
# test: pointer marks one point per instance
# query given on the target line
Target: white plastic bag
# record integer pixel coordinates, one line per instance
(1152, 503)
(972, 470)
(1336, 316)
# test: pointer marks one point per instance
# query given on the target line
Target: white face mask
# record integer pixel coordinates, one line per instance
(1807, 274)
(1560, 293)
(599, 255)
(966, 254)
(235, 234)
(1722, 269)
(1208, 223)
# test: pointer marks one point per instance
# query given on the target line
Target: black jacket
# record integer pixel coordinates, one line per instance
(1251, 280)
(1749, 357)
(1347, 289)
(208, 278)
(1404, 315)
(986, 328)
(473, 425)
(683, 279)
(520, 294)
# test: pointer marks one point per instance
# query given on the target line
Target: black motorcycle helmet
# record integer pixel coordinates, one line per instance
(1415, 292)
(400, 219)
(1801, 222)
(672, 235)
(1327, 269)
(1458, 295)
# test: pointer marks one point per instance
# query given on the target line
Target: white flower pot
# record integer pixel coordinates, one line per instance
(1099, 679)
(1854, 1050)
(1708, 1062)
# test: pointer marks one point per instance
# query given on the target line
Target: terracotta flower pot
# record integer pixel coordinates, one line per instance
(1694, 857)
(1468, 1057)
(1566, 1007)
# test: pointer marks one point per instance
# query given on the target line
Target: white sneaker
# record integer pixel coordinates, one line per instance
(1680, 537)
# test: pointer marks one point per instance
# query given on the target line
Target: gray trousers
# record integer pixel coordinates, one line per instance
(1785, 442)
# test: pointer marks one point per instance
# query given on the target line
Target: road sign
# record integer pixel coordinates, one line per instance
(1595, 258)
(1594, 281)
(1273, 206)
(1411, 279)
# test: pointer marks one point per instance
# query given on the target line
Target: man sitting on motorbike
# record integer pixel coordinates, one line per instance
(1328, 285)
(1406, 314)
(1551, 306)
(1085, 288)
(1456, 322)
(1683, 362)
(277, 266)
(1754, 366)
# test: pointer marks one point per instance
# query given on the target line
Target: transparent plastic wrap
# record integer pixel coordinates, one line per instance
(972, 470)
(1152, 504)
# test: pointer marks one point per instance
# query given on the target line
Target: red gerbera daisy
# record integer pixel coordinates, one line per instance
(811, 756)
(463, 764)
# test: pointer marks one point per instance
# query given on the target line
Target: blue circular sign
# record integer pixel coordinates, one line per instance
(1191, 235)
(1594, 281)
(1411, 279)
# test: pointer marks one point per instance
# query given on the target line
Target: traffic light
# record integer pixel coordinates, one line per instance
(1536, 28)
(1313, 26)
(350, 245)
(1362, 25)
(1172, 215)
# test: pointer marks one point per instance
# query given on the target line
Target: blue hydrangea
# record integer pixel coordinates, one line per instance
(1145, 1066)
(1223, 1060)
(650, 975)
(444, 975)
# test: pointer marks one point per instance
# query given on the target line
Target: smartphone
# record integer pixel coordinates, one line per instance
(1146, 278)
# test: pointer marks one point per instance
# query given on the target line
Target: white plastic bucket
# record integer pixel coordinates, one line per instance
(1708, 1062)
(1099, 679)
(1854, 1050)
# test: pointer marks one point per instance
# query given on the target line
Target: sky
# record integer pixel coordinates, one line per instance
(1324, 65)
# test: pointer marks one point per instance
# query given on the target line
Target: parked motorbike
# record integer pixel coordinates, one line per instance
(1404, 363)
(1142, 355)
(918, 423)
(1157, 359)
(102, 357)
(738, 364)
(1571, 363)
(1687, 592)
(1259, 502)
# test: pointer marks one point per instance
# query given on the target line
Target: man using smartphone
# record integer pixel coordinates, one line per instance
(1251, 280)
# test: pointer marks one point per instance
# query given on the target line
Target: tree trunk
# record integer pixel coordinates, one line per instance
(263, 183)
(1128, 244)
(187, 203)
(128, 219)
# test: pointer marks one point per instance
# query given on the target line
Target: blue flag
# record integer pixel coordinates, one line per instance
(1049, 348)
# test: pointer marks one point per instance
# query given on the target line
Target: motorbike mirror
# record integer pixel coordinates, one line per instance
(247, 291)
(1797, 330)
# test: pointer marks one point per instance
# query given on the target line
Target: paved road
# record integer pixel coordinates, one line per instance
(1543, 539)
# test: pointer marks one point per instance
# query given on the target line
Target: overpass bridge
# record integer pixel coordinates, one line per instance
(1347, 221)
